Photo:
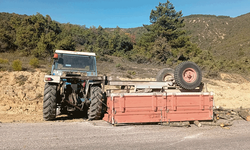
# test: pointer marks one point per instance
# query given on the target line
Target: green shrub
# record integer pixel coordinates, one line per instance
(34, 62)
(118, 65)
(3, 61)
(131, 72)
(3, 69)
(105, 58)
(17, 65)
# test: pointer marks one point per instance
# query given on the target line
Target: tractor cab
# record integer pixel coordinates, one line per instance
(72, 62)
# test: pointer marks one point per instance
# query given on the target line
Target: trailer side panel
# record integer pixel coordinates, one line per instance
(159, 107)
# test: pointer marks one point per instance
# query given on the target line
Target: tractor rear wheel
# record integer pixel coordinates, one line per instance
(188, 75)
(95, 109)
(49, 102)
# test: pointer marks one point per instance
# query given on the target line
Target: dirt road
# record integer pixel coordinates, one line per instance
(101, 135)
(21, 94)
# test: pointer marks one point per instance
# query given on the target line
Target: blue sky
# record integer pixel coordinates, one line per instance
(112, 13)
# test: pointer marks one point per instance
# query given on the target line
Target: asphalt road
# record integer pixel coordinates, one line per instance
(101, 135)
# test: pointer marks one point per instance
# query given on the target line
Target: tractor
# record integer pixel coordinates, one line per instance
(73, 86)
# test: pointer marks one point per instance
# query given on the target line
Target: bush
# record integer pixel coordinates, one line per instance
(34, 62)
(17, 65)
(131, 72)
(118, 65)
(3, 61)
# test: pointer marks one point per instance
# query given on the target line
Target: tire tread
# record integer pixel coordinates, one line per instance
(95, 110)
(179, 79)
(49, 102)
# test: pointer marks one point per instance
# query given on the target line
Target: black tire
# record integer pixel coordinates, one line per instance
(49, 102)
(95, 109)
(188, 75)
(165, 74)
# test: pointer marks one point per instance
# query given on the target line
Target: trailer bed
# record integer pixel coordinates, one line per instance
(159, 107)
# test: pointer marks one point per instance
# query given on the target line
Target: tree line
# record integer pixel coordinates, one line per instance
(163, 41)
(39, 35)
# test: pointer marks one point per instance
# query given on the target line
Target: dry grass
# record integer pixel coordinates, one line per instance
(125, 69)
(45, 64)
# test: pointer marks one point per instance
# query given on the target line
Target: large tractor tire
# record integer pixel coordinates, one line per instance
(188, 75)
(95, 109)
(49, 102)
(165, 74)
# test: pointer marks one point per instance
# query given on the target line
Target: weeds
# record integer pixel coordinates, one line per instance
(4, 61)
(17, 65)
(118, 65)
(132, 73)
(104, 58)
(21, 79)
(34, 62)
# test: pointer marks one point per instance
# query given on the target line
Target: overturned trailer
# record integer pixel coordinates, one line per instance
(166, 105)
(159, 107)
(177, 95)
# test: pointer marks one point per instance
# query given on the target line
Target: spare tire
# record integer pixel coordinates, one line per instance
(165, 74)
(188, 75)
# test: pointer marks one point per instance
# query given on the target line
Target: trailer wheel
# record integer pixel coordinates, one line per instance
(165, 74)
(95, 109)
(49, 102)
(188, 75)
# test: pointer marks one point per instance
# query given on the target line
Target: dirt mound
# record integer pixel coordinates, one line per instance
(21, 94)
(230, 92)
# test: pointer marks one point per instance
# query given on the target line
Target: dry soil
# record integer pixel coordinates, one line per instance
(21, 94)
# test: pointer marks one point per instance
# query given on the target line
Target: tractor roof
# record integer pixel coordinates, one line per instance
(74, 52)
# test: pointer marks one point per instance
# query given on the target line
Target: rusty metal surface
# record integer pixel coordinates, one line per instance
(159, 107)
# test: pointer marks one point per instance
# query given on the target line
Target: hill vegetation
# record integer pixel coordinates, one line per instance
(223, 40)
(216, 43)
(40, 36)
(226, 38)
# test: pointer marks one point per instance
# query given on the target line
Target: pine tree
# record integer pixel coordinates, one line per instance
(165, 38)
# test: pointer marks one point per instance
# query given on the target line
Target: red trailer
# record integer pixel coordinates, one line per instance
(175, 96)
(159, 107)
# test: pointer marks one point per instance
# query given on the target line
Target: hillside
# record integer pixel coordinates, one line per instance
(226, 37)
(224, 42)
